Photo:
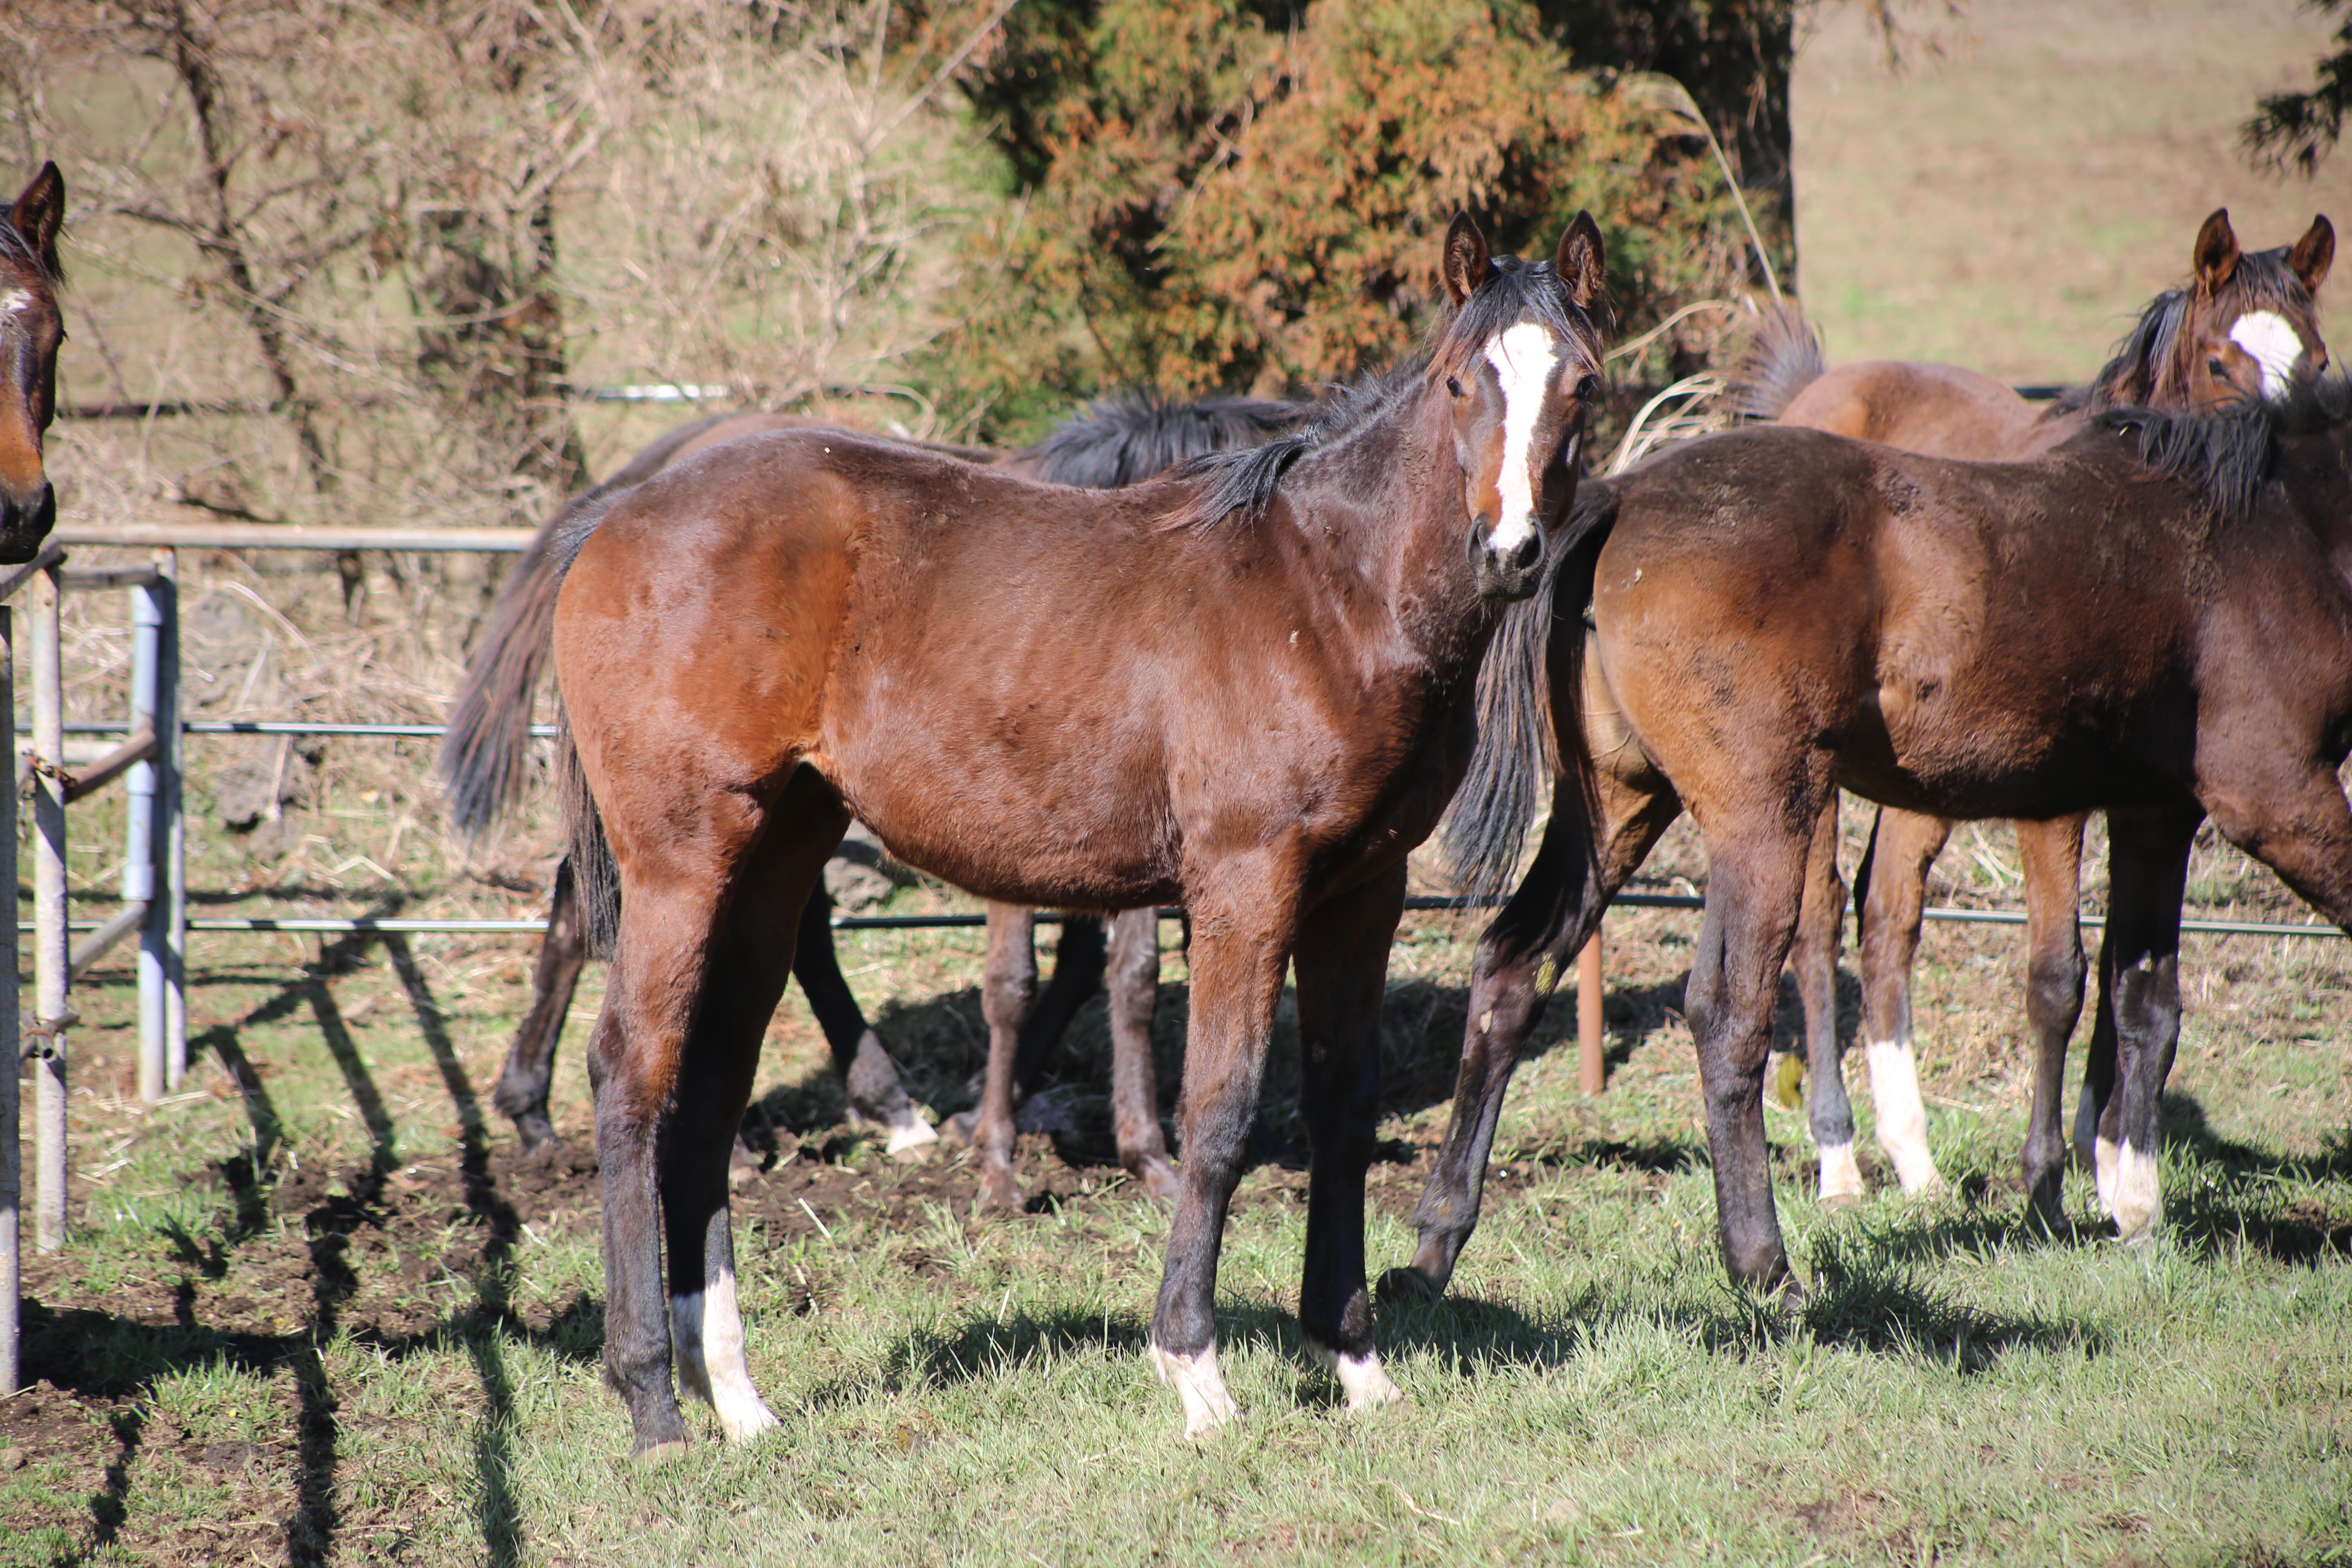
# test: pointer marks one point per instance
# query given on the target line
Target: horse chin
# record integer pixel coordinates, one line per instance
(23, 528)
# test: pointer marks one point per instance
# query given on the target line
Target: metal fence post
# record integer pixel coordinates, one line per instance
(50, 936)
(138, 838)
(12, 1169)
(173, 831)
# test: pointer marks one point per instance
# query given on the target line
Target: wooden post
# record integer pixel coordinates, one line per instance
(1589, 1075)
(51, 950)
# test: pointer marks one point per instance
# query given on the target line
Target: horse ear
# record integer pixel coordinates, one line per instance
(1466, 261)
(2313, 255)
(2216, 256)
(1579, 262)
(40, 213)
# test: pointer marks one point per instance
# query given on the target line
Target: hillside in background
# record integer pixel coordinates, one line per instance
(2012, 204)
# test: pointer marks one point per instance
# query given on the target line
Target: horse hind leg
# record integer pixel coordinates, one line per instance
(2140, 963)
(1813, 958)
(2052, 856)
(1008, 996)
(1905, 844)
(524, 1082)
(744, 979)
(869, 1078)
(1135, 1091)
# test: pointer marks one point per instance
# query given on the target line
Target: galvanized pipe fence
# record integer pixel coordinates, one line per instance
(55, 772)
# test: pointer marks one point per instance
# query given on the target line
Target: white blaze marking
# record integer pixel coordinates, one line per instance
(1207, 1405)
(2138, 1197)
(1840, 1175)
(706, 1340)
(1523, 357)
(1902, 1120)
(1366, 1384)
(15, 299)
(2274, 346)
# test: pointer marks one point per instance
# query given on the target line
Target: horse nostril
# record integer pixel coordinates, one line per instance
(1524, 557)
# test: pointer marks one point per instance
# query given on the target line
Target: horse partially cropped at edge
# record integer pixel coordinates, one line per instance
(31, 328)
(1244, 689)
(1117, 441)
(2152, 619)
(2245, 326)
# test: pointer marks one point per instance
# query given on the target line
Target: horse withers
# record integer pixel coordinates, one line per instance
(1243, 689)
(2245, 325)
(2151, 620)
(31, 328)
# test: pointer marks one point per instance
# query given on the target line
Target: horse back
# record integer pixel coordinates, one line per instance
(1937, 410)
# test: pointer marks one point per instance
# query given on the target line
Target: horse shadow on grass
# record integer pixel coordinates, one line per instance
(88, 1351)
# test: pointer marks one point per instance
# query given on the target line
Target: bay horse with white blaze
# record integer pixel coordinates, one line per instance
(2245, 326)
(1243, 689)
(31, 328)
(2155, 619)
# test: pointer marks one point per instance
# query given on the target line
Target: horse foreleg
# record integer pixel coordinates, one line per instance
(2051, 855)
(1341, 962)
(869, 1078)
(1754, 890)
(1134, 1078)
(522, 1088)
(1904, 846)
(2140, 965)
(1008, 993)
(1243, 922)
(1813, 956)
(1516, 964)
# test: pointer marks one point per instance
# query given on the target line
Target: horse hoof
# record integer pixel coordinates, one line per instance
(1409, 1284)
(655, 1456)
(538, 1134)
(1839, 1203)
(1159, 1181)
(998, 1191)
(1788, 1298)
(954, 1134)
(911, 1140)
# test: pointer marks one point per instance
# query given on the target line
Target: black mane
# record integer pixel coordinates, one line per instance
(1245, 483)
(2229, 454)
(1133, 435)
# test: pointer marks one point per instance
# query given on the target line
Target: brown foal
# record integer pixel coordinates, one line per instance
(1241, 689)
(31, 328)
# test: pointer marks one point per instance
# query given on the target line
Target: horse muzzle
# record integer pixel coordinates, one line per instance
(25, 524)
(1508, 572)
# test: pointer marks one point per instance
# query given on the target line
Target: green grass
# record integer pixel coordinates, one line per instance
(1959, 1389)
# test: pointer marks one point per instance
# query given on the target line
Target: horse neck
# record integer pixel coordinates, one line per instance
(1388, 499)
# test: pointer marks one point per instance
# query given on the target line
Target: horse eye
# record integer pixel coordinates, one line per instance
(1452, 386)
(2215, 367)
(1588, 389)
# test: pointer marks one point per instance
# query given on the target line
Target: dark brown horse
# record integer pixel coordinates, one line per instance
(1244, 689)
(2154, 619)
(31, 328)
(1117, 441)
(2245, 325)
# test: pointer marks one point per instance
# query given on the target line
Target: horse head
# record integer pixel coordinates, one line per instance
(1521, 361)
(2250, 327)
(31, 328)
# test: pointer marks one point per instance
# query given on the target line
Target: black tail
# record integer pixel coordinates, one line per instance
(1782, 358)
(1530, 708)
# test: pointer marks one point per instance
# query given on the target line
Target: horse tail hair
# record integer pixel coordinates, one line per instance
(1530, 705)
(1783, 357)
(596, 878)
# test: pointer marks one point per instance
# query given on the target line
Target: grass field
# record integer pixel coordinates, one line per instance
(315, 1309)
